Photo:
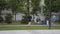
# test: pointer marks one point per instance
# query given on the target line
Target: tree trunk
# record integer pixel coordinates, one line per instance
(59, 17)
(15, 16)
(0, 12)
(33, 17)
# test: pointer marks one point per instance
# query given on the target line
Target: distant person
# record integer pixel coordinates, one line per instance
(53, 19)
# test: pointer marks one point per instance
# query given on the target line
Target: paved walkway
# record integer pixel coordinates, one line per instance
(30, 32)
(26, 25)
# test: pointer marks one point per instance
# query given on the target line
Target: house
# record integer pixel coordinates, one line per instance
(18, 15)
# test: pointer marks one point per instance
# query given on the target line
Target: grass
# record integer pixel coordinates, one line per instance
(13, 23)
(28, 27)
(19, 23)
(57, 22)
(24, 27)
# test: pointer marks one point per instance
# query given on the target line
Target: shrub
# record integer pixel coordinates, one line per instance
(8, 18)
(25, 20)
(1, 19)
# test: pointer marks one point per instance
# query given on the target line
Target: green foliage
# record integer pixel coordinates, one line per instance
(8, 18)
(55, 5)
(1, 19)
(17, 6)
(2, 5)
(13, 4)
(25, 20)
(35, 5)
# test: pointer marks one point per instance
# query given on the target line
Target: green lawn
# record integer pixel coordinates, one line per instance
(24, 27)
(28, 27)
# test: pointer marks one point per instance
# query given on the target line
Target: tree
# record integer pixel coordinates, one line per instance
(35, 5)
(8, 18)
(2, 5)
(16, 6)
(55, 6)
(52, 6)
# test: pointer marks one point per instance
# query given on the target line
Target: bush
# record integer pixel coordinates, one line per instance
(8, 18)
(1, 19)
(25, 20)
